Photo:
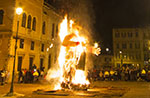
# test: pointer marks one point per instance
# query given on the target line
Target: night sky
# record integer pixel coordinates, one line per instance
(118, 13)
(104, 15)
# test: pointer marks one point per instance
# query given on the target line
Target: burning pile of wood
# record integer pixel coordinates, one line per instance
(72, 46)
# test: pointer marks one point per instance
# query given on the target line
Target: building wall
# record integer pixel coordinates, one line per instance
(130, 42)
(42, 12)
(6, 30)
(104, 61)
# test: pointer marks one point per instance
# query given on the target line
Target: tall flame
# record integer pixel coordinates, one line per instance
(73, 45)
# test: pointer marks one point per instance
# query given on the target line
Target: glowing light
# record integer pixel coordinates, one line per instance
(51, 46)
(107, 49)
(95, 45)
(47, 49)
(19, 10)
(120, 52)
(80, 78)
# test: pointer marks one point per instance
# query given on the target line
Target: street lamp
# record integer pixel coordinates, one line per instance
(107, 49)
(121, 57)
(18, 12)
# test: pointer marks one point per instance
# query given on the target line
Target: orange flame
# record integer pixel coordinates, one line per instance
(73, 45)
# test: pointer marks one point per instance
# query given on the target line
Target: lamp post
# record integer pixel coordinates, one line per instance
(18, 12)
(121, 57)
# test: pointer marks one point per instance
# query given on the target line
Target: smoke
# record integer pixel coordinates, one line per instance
(82, 12)
(54, 76)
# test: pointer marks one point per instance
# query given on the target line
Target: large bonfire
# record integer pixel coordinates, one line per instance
(72, 46)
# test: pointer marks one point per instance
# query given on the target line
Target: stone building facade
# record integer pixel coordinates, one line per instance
(37, 33)
(131, 46)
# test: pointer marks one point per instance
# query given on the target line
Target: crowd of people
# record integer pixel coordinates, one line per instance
(23, 76)
(113, 74)
(124, 74)
(30, 76)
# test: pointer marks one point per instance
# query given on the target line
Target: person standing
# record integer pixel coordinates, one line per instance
(20, 77)
(2, 77)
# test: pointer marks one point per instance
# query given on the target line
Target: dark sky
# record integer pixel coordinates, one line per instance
(104, 15)
(119, 13)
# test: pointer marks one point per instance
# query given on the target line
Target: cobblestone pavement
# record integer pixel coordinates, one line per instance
(133, 90)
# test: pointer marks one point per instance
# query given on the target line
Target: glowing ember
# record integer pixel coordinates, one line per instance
(72, 46)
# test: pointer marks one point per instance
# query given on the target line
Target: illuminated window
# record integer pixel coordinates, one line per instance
(23, 20)
(1, 16)
(29, 22)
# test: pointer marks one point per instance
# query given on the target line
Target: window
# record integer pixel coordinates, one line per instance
(129, 34)
(146, 46)
(30, 62)
(123, 34)
(32, 45)
(117, 34)
(43, 28)
(23, 20)
(19, 63)
(29, 22)
(137, 56)
(124, 46)
(34, 24)
(42, 48)
(49, 61)
(1, 16)
(56, 30)
(117, 46)
(21, 43)
(146, 57)
(41, 63)
(53, 27)
(136, 34)
(137, 45)
(132, 56)
(130, 46)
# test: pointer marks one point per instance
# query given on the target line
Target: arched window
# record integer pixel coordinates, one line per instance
(34, 24)
(23, 20)
(43, 28)
(29, 22)
(1, 16)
